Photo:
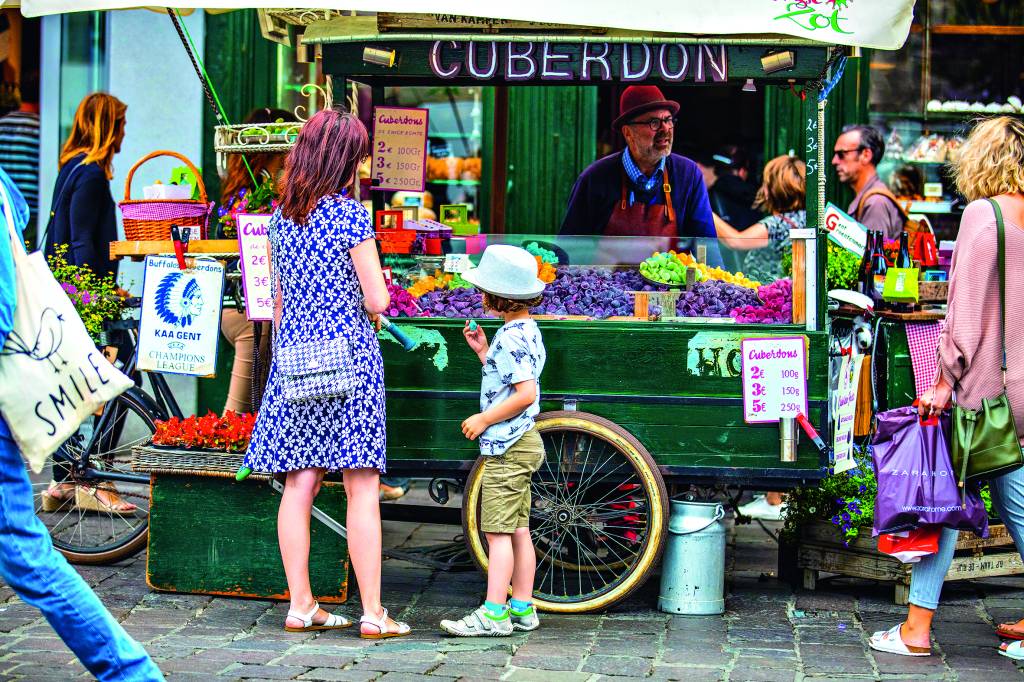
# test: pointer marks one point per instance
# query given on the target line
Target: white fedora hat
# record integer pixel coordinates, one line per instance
(506, 271)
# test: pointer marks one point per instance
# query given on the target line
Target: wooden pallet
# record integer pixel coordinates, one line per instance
(821, 550)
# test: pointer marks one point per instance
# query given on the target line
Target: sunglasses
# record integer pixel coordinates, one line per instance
(841, 153)
(656, 123)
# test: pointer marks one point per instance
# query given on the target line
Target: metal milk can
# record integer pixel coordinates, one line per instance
(693, 569)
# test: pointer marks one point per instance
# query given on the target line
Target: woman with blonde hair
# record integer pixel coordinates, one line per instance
(989, 174)
(82, 212)
(783, 196)
(82, 216)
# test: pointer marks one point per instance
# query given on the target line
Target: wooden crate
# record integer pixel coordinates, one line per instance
(213, 535)
(821, 550)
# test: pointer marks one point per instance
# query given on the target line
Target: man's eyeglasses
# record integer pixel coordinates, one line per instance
(656, 123)
(841, 153)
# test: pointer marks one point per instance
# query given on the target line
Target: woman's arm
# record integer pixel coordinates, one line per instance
(371, 280)
(754, 237)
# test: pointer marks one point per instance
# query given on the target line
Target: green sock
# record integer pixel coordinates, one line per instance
(499, 610)
(520, 608)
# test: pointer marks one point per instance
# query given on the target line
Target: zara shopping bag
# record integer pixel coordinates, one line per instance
(916, 482)
(51, 374)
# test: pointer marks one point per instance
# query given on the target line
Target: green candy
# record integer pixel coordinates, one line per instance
(242, 473)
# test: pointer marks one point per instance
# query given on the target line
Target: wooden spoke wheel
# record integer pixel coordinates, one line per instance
(599, 511)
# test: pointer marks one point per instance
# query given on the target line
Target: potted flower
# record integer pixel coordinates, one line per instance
(263, 199)
(96, 298)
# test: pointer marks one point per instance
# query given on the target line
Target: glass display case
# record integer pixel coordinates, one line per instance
(961, 61)
(646, 279)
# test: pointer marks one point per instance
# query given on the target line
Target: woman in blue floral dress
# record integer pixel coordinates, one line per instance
(329, 285)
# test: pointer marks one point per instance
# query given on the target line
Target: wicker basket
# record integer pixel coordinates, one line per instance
(151, 219)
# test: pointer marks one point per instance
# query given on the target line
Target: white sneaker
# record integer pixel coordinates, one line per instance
(480, 623)
(759, 508)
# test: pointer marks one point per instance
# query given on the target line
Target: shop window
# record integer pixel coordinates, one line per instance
(83, 62)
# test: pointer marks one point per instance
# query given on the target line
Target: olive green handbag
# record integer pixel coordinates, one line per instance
(985, 442)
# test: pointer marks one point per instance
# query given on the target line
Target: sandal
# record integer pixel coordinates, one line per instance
(1012, 650)
(891, 642)
(55, 497)
(382, 626)
(333, 622)
(1004, 630)
(87, 498)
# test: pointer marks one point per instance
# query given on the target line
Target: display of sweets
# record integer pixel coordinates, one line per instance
(776, 305)
(665, 268)
(546, 255)
(403, 304)
(705, 271)
(459, 302)
(714, 298)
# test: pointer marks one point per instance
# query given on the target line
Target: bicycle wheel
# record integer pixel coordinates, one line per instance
(598, 514)
(91, 536)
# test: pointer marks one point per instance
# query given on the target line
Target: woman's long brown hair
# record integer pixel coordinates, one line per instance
(323, 162)
(98, 123)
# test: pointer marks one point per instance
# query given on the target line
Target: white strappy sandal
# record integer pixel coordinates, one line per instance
(382, 627)
(333, 622)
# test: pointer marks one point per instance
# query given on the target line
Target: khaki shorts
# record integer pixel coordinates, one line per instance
(505, 486)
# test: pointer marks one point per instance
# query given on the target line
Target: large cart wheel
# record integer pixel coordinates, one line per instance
(598, 517)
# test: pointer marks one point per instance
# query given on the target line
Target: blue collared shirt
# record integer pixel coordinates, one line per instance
(646, 184)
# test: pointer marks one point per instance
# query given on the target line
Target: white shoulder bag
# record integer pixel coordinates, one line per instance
(51, 374)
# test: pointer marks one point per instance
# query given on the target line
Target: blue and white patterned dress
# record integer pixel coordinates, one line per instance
(322, 300)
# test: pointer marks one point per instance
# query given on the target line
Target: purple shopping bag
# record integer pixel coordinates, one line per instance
(916, 482)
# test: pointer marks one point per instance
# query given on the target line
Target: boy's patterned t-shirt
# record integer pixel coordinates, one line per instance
(516, 354)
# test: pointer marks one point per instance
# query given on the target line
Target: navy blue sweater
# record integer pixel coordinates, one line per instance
(83, 216)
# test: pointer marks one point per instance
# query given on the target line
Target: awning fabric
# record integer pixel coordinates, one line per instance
(882, 24)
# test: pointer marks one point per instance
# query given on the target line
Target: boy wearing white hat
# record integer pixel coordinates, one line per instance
(505, 430)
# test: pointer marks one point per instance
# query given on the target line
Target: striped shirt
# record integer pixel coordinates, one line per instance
(970, 350)
(19, 153)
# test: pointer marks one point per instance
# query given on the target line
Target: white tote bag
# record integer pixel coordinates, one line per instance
(51, 374)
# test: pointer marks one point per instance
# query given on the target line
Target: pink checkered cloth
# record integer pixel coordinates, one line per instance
(923, 338)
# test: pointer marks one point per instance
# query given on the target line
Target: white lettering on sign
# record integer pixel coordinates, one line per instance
(254, 262)
(774, 378)
(628, 62)
(400, 148)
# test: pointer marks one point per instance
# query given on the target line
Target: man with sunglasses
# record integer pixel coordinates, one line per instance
(644, 190)
(855, 157)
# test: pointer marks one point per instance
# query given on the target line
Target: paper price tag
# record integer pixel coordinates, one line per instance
(399, 148)
(845, 412)
(254, 261)
(774, 378)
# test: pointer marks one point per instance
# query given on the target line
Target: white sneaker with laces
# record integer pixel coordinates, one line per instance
(759, 508)
(480, 623)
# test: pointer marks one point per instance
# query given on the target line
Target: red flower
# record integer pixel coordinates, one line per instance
(230, 433)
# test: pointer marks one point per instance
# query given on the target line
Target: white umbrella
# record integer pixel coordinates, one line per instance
(882, 24)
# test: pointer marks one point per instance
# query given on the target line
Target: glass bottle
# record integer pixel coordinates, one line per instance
(878, 269)
(903, 259)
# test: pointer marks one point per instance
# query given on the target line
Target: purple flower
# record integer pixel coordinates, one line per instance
(86, 298)
(69, 288)
(846, 516)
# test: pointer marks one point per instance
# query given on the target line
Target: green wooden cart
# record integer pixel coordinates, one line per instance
(631, 407)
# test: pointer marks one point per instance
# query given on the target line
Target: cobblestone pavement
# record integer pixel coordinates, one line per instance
(769, 633)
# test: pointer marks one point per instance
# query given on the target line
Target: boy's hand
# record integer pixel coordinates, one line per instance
(476, 339)
(474, 426)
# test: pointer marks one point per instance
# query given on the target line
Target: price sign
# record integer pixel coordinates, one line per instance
(774, 378)
(845, 411)
(399, 148)
(254, 261)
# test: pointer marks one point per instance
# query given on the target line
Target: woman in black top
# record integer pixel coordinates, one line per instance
(82, 216)
(82, 213)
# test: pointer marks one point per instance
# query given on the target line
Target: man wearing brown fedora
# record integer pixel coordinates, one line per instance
(644, 190)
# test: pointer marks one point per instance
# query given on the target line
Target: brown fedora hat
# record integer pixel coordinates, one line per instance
(636, 99)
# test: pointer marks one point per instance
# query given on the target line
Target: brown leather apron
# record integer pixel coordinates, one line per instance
(642, 219)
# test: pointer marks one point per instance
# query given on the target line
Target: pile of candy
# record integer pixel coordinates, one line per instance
(665, 268)
(459, 302)
(545, 270)
(546, 255)
(402, 303)
(776, 308)
(438, 280)
(714, 299)
(706, 272)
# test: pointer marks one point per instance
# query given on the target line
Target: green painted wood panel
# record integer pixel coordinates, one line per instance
(675, 387)
(552, 133)
(216, 536)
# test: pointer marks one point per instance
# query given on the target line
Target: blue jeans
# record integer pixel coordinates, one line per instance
(42, 578)
(930, 572)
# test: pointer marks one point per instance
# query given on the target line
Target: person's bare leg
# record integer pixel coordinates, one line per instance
(916, 631)
(300, 489)
(525, 560)
(500, 566)
(364, 541)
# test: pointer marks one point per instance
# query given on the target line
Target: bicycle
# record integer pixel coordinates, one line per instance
(99, 456)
